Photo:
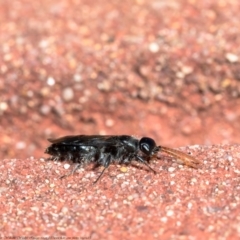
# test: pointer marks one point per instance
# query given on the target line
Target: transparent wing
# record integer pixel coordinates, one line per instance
(87, 140)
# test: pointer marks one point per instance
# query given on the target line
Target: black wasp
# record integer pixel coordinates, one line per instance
(104, 150)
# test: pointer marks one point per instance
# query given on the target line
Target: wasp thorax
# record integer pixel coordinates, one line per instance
(147, 145)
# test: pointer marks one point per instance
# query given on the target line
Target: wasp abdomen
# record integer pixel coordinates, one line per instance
(70, 152)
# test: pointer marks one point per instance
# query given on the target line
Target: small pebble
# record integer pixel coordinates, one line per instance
(171, 169)
(164, 219)
(66, 166)
(77, 77)
(20, 145)
(124, 169)
(68, 94)
(50, 81)
(109, 122)
(189, 205)
(3, 106)
(172, 183)
(45, 109)
(232, 57)
(170, 213)
(153, 47)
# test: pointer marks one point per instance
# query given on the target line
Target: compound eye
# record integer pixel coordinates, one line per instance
(147, 145)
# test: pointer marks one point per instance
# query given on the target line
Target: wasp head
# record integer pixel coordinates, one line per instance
(148, 146)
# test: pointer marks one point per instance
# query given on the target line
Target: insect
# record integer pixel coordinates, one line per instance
(102, 150)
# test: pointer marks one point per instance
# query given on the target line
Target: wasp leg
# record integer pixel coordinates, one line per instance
(100, 175)
(144, 162)
(76, 167)
(106, 165)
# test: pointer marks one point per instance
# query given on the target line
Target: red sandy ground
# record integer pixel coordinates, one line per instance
(169, 70)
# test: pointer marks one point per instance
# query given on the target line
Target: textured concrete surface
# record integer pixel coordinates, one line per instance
(128, 203)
